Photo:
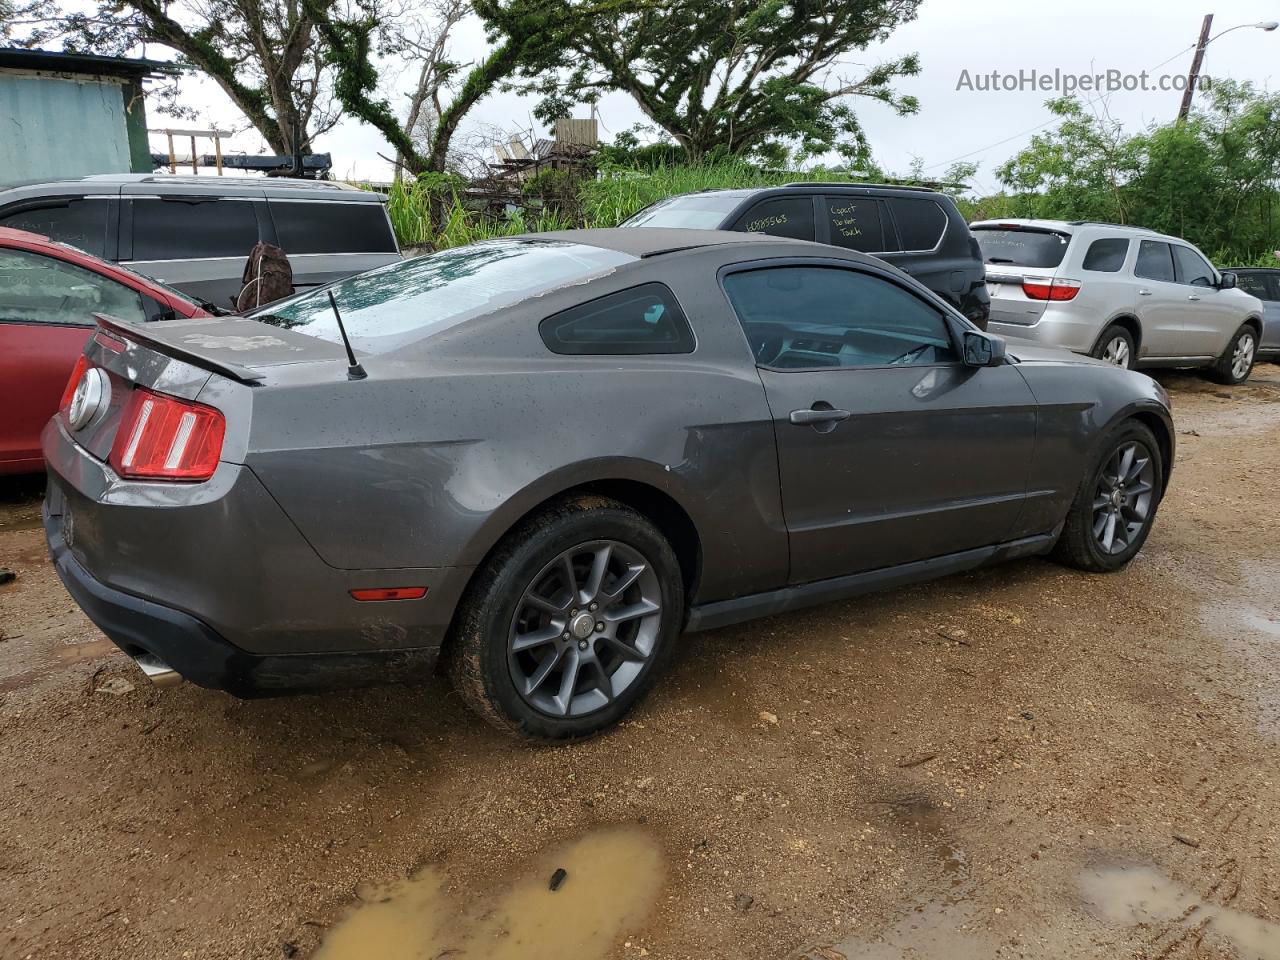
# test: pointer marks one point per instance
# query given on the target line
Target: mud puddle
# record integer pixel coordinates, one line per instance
(611, 881)
(64, 656)
(1132, 896)
(1249, 624)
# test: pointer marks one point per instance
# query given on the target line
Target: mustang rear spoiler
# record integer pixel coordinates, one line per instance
(140, 334)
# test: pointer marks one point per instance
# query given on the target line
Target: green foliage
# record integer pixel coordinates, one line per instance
(721, 77)
(1214, 179)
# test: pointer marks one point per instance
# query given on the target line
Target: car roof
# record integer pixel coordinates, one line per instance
(1074, 226)
(1253, 269)
(272, 187)
(653, 241)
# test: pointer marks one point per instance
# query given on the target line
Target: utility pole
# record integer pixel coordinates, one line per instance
(1194, 76)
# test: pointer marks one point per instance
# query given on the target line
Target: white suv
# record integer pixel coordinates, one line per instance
(1131, 296)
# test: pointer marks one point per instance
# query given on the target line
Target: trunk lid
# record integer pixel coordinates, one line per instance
(1012, 253)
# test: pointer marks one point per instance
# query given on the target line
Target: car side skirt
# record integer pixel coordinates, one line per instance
(723, 613)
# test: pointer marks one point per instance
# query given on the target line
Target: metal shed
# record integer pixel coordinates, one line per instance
(72, 114)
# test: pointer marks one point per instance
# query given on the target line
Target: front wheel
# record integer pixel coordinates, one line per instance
(1236, 363)
(569, 622)
(1116, 347)
(1116, 503)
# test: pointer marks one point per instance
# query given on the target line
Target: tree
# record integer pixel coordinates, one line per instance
(261, 53)
(351, 45)
(720, 76)
(1213, 179)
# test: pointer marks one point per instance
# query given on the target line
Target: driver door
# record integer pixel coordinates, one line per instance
(890, 449)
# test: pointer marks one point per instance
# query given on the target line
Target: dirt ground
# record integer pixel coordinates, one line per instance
(1022, 762)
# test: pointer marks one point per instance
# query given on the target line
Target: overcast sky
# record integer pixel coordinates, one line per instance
(1079, 37)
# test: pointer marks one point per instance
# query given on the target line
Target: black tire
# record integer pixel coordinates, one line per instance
(1106, 346)
(1079, 546)
(479, 659)
(1229, 368)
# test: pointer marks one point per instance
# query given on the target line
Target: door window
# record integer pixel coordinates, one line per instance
(40, 289)
(921, 223)
(78, 223)
(1106, 255)
(1193, 268)
(781, 217)
(855, 223)
(645, 319)
(805, 317)
(331, 227)
(1259, 285)
(1155, 262)
(178, 228)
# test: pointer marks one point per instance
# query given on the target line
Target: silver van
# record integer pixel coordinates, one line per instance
(195, 233)
(1124, 294)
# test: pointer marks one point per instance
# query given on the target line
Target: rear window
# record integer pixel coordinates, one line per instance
(405, 301)
(327, 226)
(78, 223)
(921, 223)
(780, 217)
(855, 223)
(182, 229)
(699, 211)
(1022, 248)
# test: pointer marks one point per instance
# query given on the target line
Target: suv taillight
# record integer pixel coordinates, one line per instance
(1054, 289)
(164, 438)
(82, 364)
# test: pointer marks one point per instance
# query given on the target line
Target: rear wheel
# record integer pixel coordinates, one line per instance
(569, 622)
(1116, 504)
(1236, 363)
(1116, 346)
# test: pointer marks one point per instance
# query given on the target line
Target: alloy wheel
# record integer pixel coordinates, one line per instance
(1242, 358)
(1117, 352)
(585, 628)
(1125, 497)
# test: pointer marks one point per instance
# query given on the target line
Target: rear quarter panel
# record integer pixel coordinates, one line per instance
(434, 457)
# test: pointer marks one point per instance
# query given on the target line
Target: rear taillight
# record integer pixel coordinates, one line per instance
(82, 364)
(164, 438)
(1054, 289)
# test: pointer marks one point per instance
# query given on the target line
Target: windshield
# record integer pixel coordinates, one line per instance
(1022, 248)
(402, 302)
(701, 211)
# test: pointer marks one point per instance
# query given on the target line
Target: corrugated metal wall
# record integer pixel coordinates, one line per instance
(53, 127)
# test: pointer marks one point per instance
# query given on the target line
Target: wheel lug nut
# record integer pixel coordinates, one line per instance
(600, 625)
(566, 634)
(582, 644)
(573, 613)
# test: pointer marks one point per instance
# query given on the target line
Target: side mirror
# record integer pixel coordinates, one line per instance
(1228, 282)
(983, 349)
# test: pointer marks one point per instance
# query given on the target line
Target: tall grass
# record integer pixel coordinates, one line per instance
(606, 201)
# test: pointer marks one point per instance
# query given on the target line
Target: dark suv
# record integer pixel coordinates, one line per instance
(917, 230)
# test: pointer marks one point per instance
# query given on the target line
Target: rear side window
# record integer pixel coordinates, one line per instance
(79, 223)
(1154, 261)
(178, 229)
(40, 289)
(645, 319)
(1022, 248)
(1192, 268)
(855, 223)
(1106, 255)
(1259, 285)
(781, 217)
(331, 227)
(921, 223)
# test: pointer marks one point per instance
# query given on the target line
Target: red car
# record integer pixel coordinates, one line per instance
(48, 295)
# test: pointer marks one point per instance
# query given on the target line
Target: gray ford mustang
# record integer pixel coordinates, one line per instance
(545, 457)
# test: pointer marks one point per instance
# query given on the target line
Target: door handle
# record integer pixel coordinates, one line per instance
(1144, 293)
(818, 415)
(1193, 297)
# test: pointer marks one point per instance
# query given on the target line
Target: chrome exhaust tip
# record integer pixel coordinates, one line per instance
(157, 671)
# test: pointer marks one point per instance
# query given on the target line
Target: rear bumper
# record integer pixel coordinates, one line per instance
(196, 651)
(1071, 330)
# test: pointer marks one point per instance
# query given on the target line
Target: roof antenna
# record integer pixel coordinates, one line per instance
(354, 370)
